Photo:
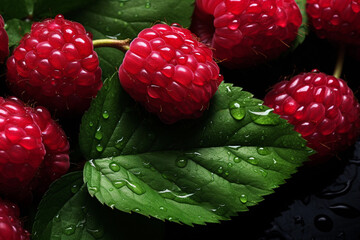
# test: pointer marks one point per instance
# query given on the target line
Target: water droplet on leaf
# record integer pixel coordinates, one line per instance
(114, 167)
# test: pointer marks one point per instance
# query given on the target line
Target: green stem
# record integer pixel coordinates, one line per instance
(122, 45)
(340, 61)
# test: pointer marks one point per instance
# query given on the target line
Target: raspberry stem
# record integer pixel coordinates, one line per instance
(340, 61)
(122, 45)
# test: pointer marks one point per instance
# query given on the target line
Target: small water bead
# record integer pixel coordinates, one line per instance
(236, 111)
(105, 115)
(181, 162)
(96, 233)
(323, 223)
(119, 184)
(75, 188)
(237, 159)
(70, 230)
(91, 124)
(252, 160)
(243, 198)
(147, 4)
(119, 144)
(265, 118)
(263, 151)
(135, 188)
(98, 135)
(93, 189)
(114, 167)
(99, 148)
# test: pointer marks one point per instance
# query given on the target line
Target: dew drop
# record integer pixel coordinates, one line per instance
(57, 218)
(96, 233)
(114, 167)
(98, 135)
(119, 13)
(252, 160)
(91, 124)
(243, 198)
(119, 184)
(99, 148)
(236, 111)
(237, 159)
(119, 144)
(263, 151)
(265, 118)
(323, 223)
(163, 209)
(147, 4)
(93, 189)
(105, 115)
(181, 162)
(135, 188)
(75, 188)
(69, 230)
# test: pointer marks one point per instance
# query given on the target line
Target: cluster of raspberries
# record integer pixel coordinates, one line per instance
(171, 71)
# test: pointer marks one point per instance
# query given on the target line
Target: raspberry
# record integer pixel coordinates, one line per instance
(247, 32)
(4, 42)
(336, 20)
(33, 148)
(56, 65)
(10, 225)
(322, 108)
(170, 73)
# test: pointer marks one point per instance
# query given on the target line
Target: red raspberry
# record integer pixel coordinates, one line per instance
(337, 20)
(56, 65)
(170, 73)
(321, 107)
(246, 32)
(33, 148)
(4, 42)
(10, 225)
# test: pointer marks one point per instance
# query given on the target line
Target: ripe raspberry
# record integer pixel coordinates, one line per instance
(337, 20)
(321, 107)
(170, 73)
(10, 225)
(55, 65)
(4, 42)
(33, 148)
(247, 32)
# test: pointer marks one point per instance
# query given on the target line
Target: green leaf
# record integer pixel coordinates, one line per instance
(195, 171)
(304, 27)
(68, 212)
(15, 8)
(51, 8)
(16, 29)
(125, 19)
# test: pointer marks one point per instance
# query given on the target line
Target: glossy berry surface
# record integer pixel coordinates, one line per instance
(56, 65)
(170, 73)
(321, 107)
(33, 148)
(10, 225)
(337, 20)
(4, 42)
(248, 32)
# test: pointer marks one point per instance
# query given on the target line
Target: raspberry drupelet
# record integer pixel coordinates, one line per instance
(168, 71)
(56, 65)
(248, 32)
(322, 108)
